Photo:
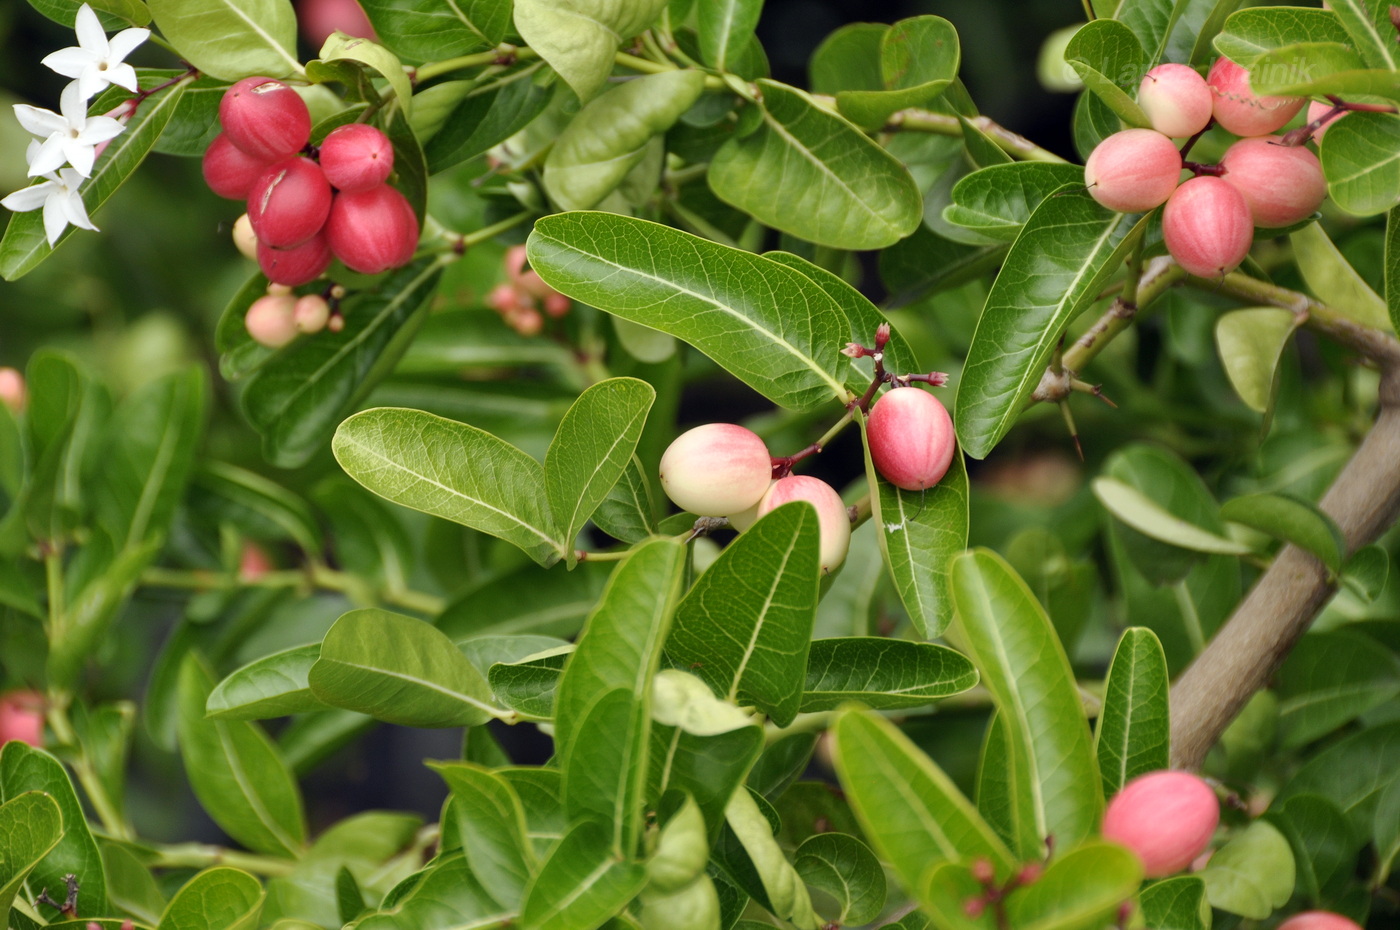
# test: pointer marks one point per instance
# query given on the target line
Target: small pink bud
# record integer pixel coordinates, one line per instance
(270, 321)
(1167, 818)
(833, 521)
(526, 321)
(372, 231)
(982, 871)
(531, 283)
(244, 239)
(855, 350)
(556, 304)
(311, 313)
(716, 469)
(1133, 171)
(1029, 874)
(253, 563)
(973, 907)
(911, 438)
(1239, 109)
(1207, 227)
(503, 299)
(22, 717)
(13, 393)
(337, 323)
(515, 261)
(298, 265)
(1282, 184)
(1319, 920)
(356, 157)
(289, 203)
(229, 171)
(265, 118)
(1176, 99)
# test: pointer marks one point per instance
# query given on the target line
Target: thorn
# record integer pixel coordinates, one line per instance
(1073, 432)
(1094, 389)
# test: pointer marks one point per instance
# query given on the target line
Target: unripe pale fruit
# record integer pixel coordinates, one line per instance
(716, 469)
(1133, 171)
(265, 118)
(229, 171)
(356, 157)
(298, 265)
(1207, 227)
(911, 438)
(1176, 99)
(270, 321)
(1319, 920)
(1166, 818)
(311, 313)
(22, 717)
(372, 231)
(290, 203)
(244, 239)
(1281, 183)
(1317, 111)
(1239, 109)
(12, 391)
(833, 520)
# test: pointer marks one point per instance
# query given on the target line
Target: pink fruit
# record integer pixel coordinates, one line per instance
(12, 390)
(319, 18)
(372, 231)
(1207, 227)
(556, 304)
(22, 717)
(1281, 183)
(1239, 109)
(265, 118)
(1317, 111)
(1166, 818)
(1133, 171)
(311, 313)
(229, 171)
(301, 264)
(1319, 920)
(833, 520)
(911, 438)
(269, 320)
(716, 469)
(356, 157)
(290, 203)
(1176, 99)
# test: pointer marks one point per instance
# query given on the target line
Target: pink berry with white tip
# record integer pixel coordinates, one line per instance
(833, 520)
(311, 313)
(1167, 818)
(911, 438)
(1176, 99)
(270, 320)
(716, 469)
(1133, 171)
(1239, 109)
(1283, 184)
(1207, 227)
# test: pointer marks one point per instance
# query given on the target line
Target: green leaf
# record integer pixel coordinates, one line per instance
(400, 670)
(1151, 21)
(236, 772)
(25, 245)
(1107, 57)
(581, 884)
(695, 906)
(1002, 774)
(591, 450)
(481, 118)
(1092, 122)
(491, 824)
(296, 399)
(1252, 875)
(609, 136)
(231, 39)
(787, 897)
(1330, 679)
(451, 470)
(30, 827)
(528, 686)
(65, 12)
(882, 673)
(1177, 903)
(1056, 267)
(273, 686)
(919, 57)
(1080, 889)
(1386, 829)
(427, 30)
(90, 614)
(808, 172)
(725, 28)
(1148, 517)
(1325, 845)
(131, 889)
(1013, 644)
(1371, 29)
(579, 38)
(342, 47)
(1392, 266)
(1332, 68)
(259, 507)
(997, 201)
(1332, 278)
(1361, 160)
(774, 329)
(708, 768)
(1132, 734)
(520, 602)
(1251, 342)
(220, 898)
(445, 894)
(1291, 520)
(845, 868)
(628, 511)
(679, 699)
(1251, 32)
(746, 625)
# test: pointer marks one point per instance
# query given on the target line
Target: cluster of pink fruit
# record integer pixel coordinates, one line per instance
(1208, 224)
(307, 204)
(520, 299)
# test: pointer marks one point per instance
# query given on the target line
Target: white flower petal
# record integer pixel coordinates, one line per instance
(100, 129)
(123, 75)
(49, 157)
(91, 35)
(73, 105)
(31, 150)
(28, 198)
(125, 42)
(75, 209)
(39, 122)
(80, 156)
(70, 62)
(54, 218)
(91, 83)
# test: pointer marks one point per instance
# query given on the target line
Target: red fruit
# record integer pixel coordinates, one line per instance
(716, 470)
(1319, 920)
(1167, 818)
(1176, 99)
(372, 231)
(833, 521)
(270, 321)
(1281, 183)
(356, 157)
(1133, 171)
(229, 171)
(265, 118)
(298, 265)
(911, 438)
(290, 203)
(22, 717)
(1239, 109)
(1207, 227)
(319, 18)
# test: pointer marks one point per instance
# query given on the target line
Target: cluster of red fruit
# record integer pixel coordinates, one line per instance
(308, 204)
(1208, 224)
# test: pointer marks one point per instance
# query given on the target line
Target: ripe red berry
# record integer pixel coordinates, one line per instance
(270, 320)
(1176, 99)
(1167, 818)
(298, 265)
(833, 520)
(716, 470)
(22, 717)
(1281, 183)
(1207, 227)
(229, 171)
(290, 203)
(911, 438)
(265, 118)
(1133, 171)
(1319, 920)
(317, 19)
(1239, 109)
(356, 157)
(372, 231)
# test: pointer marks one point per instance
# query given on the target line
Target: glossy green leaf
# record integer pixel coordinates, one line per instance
(131, 889)
(30, 827)
(231, 39)
(882, 673)
(1011, 641)
(808, 172)
(1291, 520)
(362, 51)
(220, 898)
(259, 507)
(1177, 903)
(746, 625)
(580, 37)
(919, 57)
(89, 615)
(445, 894)
(518, 602)
(1325, 845)
(1092, 122)
(725, 28)
(767, 325)
(787, 896)
(491, 824)
(679, 699)
(848, 59)
(1332, 68)
(1132, 734)
(528, 686)
(696, 906)
(1251, 32)
(1361, 160)
(236, 772)
(1082, 888)
(1386, 829)
(708, 768)
(1331, 678)
(483, 117)
(1002, 797)
(1372, 31)
(1251, 342)
(1110, 61)
(581, 884)
(1192, 37)
(846, 869)
(273, 686)
(1253, 874)
(1151, 21)
(299, 396)
(1067, 250)
(400, 670)
(1332, 278)
(65, 12)
(628, 511)
(1148, 517)
(427, 30)
(997, 201)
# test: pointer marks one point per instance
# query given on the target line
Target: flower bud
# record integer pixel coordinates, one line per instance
(526, 321)
(716, 469)
(556, 305)
(356, 157)
(311, 313)
(265, 118)
(1207, 227)
(298, 265)
(253, 563)
(1133, 171)
(1281, 183)
(270, 320)
(515, 261)
(244, 239)
(1319, 920)
(22, 717)
(1167, 818)
(1239, 109)
(12, 390)
(833, 521)
(503, 299)
(229, 171)
(290, 203)
(1176, 99)
(911, 438)
(372, 231)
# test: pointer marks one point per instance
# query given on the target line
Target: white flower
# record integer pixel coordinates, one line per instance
(59, 197)
(95, 61)
(68, 136)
